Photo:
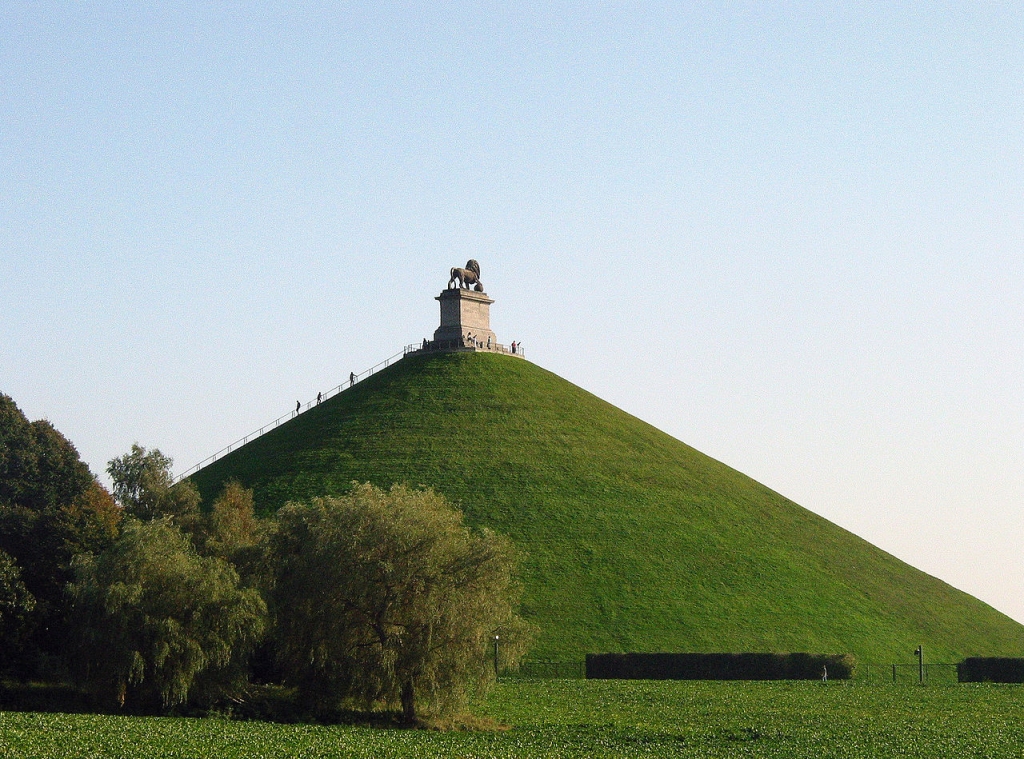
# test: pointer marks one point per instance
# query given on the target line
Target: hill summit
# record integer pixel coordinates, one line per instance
(631, 540)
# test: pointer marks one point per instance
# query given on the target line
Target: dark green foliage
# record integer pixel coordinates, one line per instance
(748, 666)
(16, 602)
(44, 697)
(386, 597)
(990, 669)
(154, 622)
(35, 541)
(51, 508)
(39, 469)
(44, 542)
(632, 540)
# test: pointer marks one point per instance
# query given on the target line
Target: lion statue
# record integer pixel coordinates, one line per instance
(466, 277)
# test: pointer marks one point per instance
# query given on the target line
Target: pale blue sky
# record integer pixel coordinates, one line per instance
(788, 234)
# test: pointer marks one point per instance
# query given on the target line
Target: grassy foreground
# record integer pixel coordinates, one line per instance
(578, 718)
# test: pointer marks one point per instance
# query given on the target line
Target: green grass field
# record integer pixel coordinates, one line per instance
(632, 540)
(578, 718)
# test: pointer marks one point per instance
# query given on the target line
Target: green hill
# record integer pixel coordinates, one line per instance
(633, 541)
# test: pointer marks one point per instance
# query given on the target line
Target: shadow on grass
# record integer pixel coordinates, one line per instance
(264, 703)
(45, 697)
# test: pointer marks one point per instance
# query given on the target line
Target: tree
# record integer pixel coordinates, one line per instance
(140, 477)
(154, 621)
(51, 507)
(16, 603)
(387, 597)
(15, 600)
(231, 525)
(39, 468)
(144, 487)
(231, 530)
(91, 522)
(43, 542)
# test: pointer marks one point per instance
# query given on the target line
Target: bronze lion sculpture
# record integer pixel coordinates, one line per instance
(466, 277)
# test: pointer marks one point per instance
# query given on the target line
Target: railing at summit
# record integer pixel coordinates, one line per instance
(441, 346)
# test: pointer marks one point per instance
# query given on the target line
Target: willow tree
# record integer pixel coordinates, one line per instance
(154, 621)
(388, 598)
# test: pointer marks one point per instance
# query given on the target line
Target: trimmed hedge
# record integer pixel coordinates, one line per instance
(747, 666)
(990, 669)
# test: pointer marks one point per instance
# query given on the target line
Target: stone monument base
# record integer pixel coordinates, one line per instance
(465, 317)
(465, 324)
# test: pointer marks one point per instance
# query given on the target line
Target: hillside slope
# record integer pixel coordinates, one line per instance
(632, 540)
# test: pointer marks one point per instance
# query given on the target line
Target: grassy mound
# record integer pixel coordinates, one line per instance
(632, 540)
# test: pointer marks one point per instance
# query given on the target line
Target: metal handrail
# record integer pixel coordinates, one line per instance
(353, 379)
(435, 345)
(441, 346)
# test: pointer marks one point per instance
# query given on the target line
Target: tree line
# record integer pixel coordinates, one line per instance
(146, 598)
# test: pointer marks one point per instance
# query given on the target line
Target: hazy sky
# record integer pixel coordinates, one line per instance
(788, 234)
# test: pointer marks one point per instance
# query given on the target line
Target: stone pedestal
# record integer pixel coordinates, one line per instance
(464, 313)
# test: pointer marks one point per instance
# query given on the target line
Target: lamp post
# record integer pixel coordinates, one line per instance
(919, 653)
(495, 656)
